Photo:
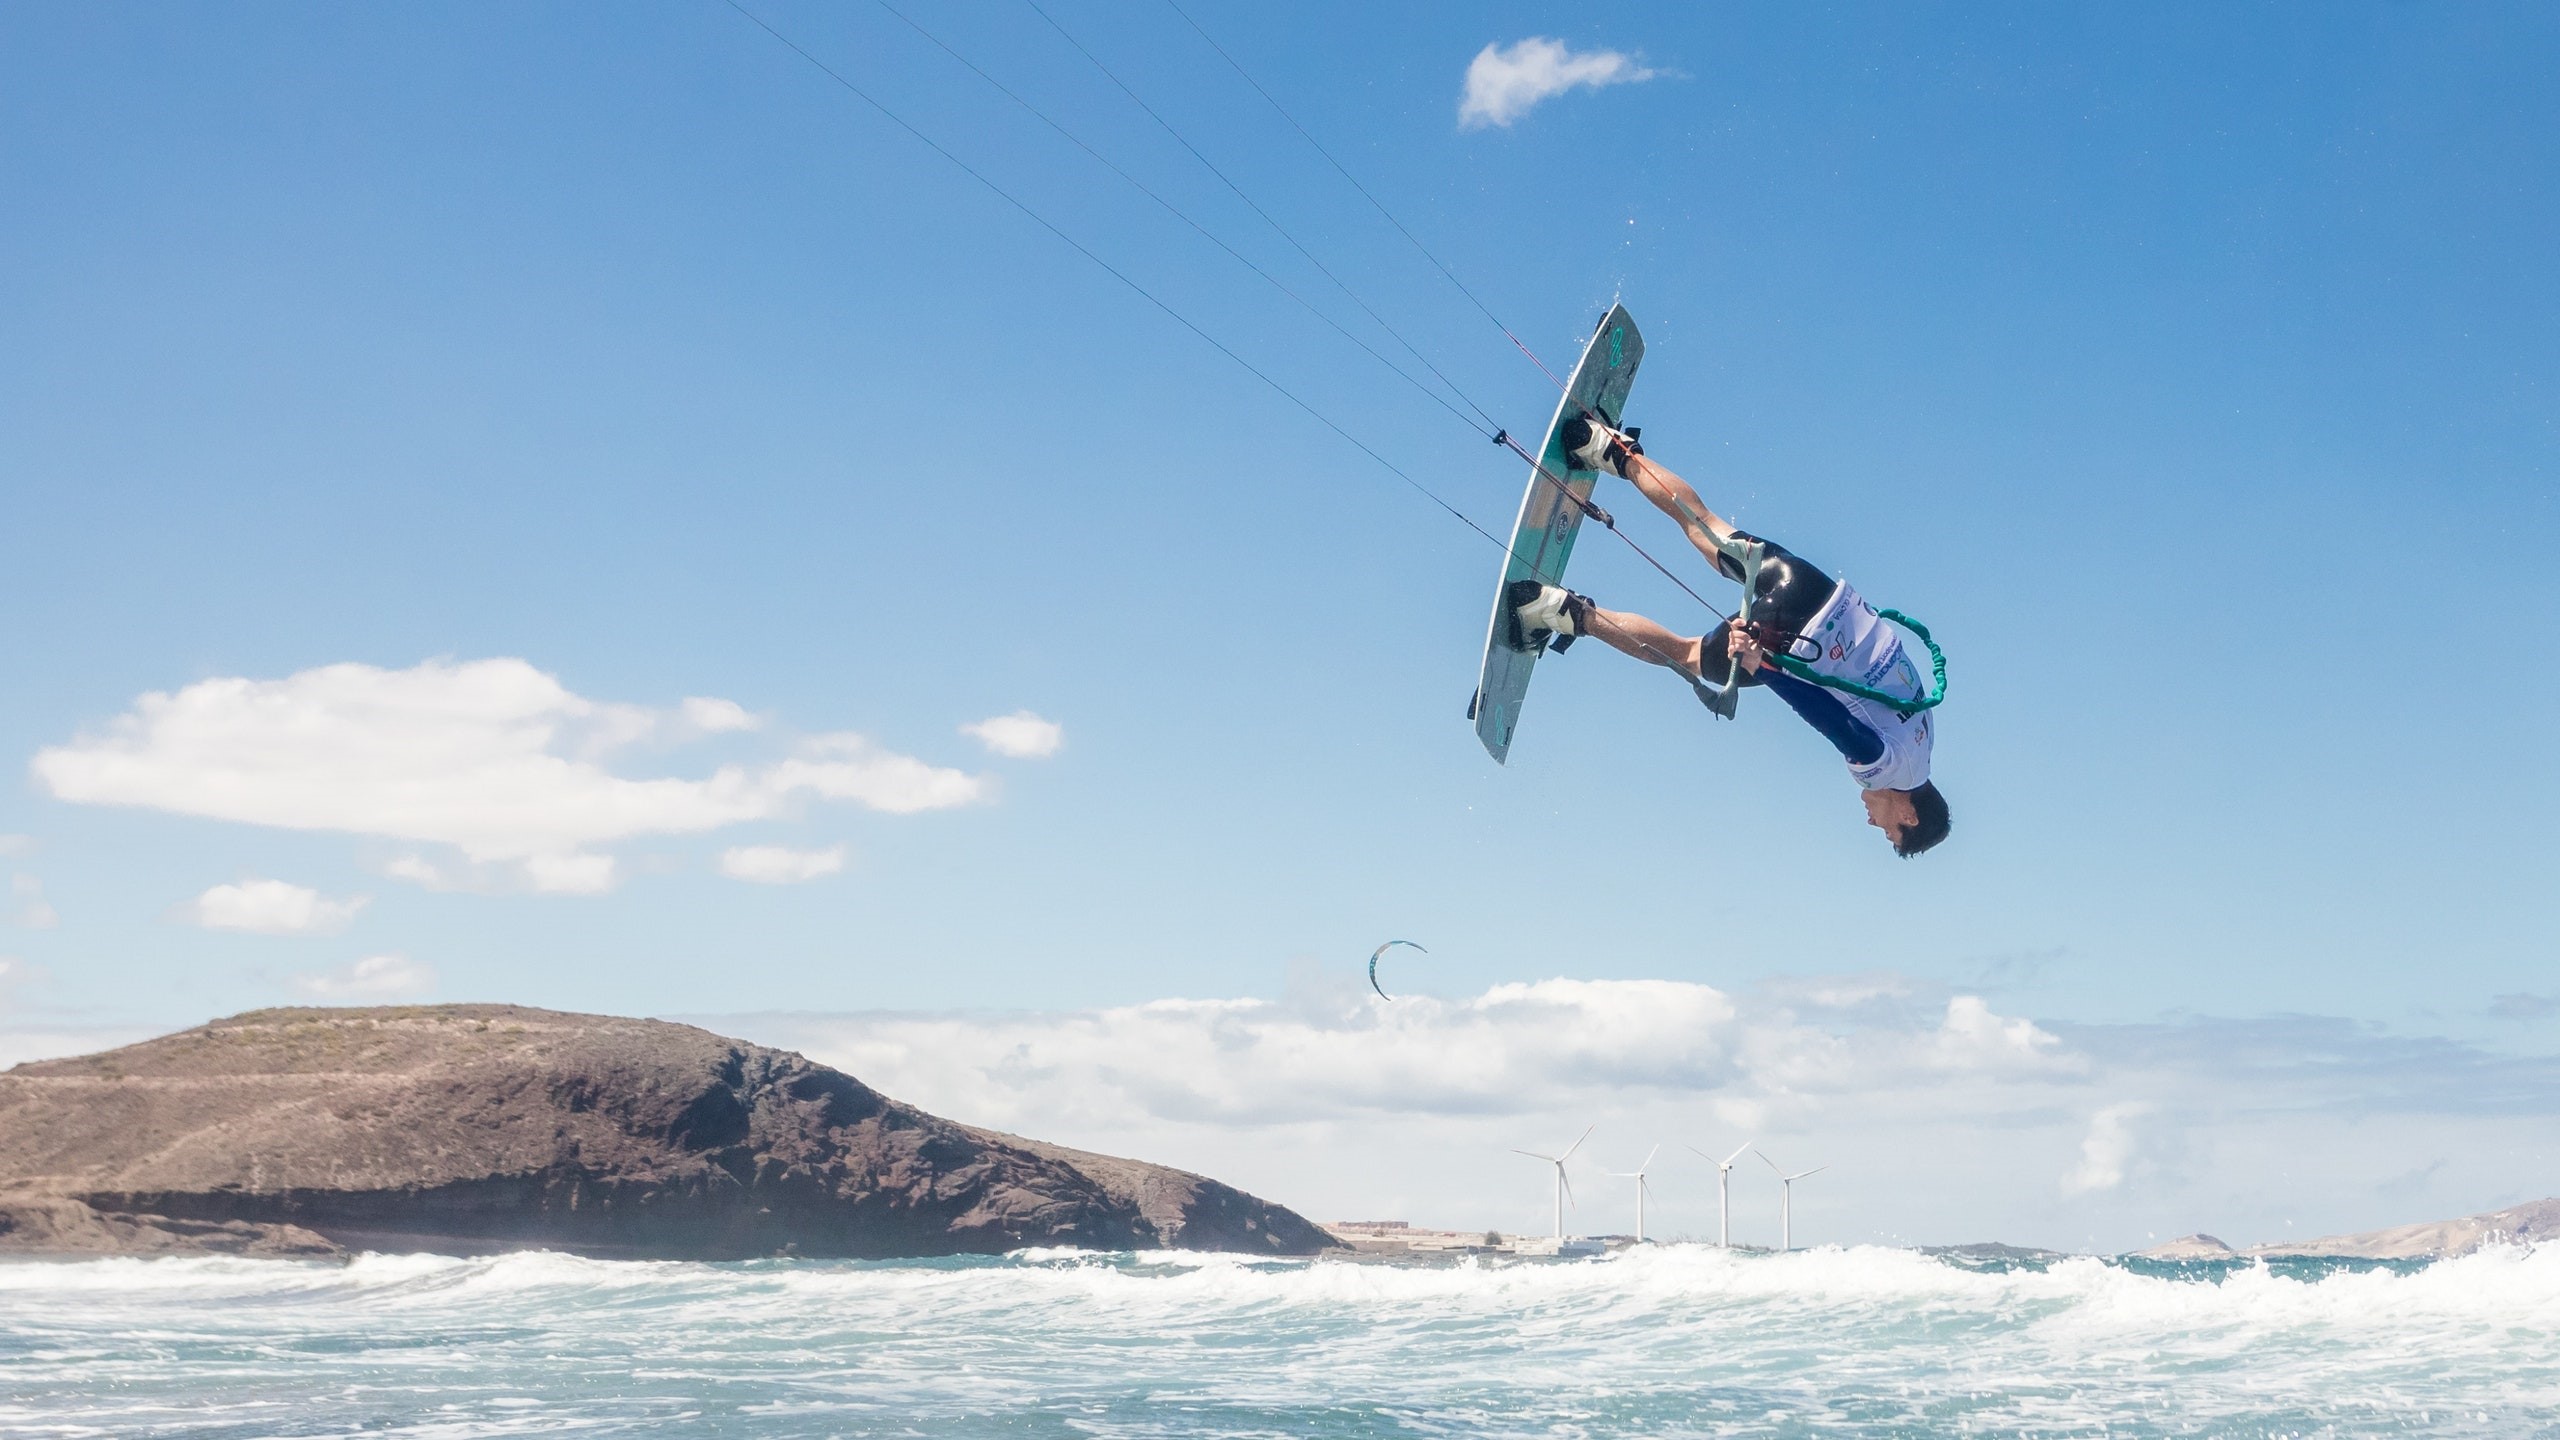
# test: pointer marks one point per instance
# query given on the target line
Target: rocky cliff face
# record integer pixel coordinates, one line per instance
(473, 1128)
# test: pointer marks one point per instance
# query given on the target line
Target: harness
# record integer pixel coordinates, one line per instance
(1748, 556)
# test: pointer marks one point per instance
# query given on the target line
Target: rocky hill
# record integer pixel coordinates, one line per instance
(2434, 1239)
(2198, 1246)
(467, 1129)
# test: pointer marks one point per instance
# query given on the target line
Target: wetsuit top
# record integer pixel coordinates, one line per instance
(1838, 634)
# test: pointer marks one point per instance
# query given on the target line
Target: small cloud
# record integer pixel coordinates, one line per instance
(271, 907)
(1021, 735)
(846, 766)
(1972, 1037)
(1841, 992)
(419, 870)
(1505, 82)
(707, 715)
(2107, 1151)
(12, 846)
(2524, 1006)
(375, 977)
(779, 864)
(569, 873)
(33, 912)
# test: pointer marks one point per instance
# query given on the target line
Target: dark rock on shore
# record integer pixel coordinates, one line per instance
(1992, 1252)
(468, 1129)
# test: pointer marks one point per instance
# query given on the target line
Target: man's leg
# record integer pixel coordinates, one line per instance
(1675, 497)
(1631, 634)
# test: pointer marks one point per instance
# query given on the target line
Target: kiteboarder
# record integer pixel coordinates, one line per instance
(1795, 610)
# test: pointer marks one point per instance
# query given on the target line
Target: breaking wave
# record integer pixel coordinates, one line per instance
(1671, 1339)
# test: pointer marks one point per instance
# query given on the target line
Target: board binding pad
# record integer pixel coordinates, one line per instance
(1542, 539)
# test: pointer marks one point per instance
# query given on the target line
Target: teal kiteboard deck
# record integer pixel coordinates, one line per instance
(1543, 539)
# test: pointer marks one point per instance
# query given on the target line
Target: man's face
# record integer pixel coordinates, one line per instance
(1891, 811)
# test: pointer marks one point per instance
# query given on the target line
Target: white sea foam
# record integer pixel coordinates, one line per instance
(1687, 1339)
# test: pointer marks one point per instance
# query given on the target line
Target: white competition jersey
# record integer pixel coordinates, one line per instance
(1852, 642)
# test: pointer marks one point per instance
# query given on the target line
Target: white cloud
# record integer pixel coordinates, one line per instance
(1021, 735)
(1504, 82)
(1972, 1038)
(419, 870)
(12, 846)
(271, 907)
(375, 977)
(2107, 1151)
(575, 873)
(492, 757)
(779, 864)
(846, 766)
(33, 911)
(710, 716)
(1516, 1048)
(1939, 1121)
(1342, 1103)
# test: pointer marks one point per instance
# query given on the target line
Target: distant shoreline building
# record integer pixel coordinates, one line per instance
(1386, 1239)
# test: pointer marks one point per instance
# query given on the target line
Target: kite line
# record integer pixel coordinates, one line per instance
(1500, 436)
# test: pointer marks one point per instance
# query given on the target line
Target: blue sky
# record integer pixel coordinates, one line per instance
(2189, 370)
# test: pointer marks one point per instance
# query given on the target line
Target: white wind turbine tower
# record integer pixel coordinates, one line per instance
(1642, 1185)
(1787, 1207)
(1724, 1189)
(1564, 1187)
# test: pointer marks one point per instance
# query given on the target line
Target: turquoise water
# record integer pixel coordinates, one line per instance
(1667, 1341)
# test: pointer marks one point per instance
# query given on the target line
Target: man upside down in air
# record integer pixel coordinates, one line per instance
(1794, 610)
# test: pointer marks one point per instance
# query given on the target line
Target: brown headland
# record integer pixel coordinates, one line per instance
(468, 1129)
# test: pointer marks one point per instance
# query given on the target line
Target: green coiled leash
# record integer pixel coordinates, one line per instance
(1903, 706)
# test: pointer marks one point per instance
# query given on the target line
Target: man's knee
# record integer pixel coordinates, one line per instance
(1714, 663)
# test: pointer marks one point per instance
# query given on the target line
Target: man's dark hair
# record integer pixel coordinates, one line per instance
(1932, 810)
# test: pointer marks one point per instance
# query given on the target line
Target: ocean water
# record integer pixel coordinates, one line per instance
(1665, 1341)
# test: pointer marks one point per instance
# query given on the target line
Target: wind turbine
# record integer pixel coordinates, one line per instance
(1642, 1185)
(1787, 1207)
(1724, 1189)
(1564, 1187)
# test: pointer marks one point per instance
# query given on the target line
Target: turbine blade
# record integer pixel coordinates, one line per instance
(1648, 1159)
(1577, 1144)
(1534, 1155)
(1772, 1164)
(1816, 1170)
(1727, 1162)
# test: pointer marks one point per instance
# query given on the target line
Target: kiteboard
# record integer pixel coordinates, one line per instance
(1542, 539)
